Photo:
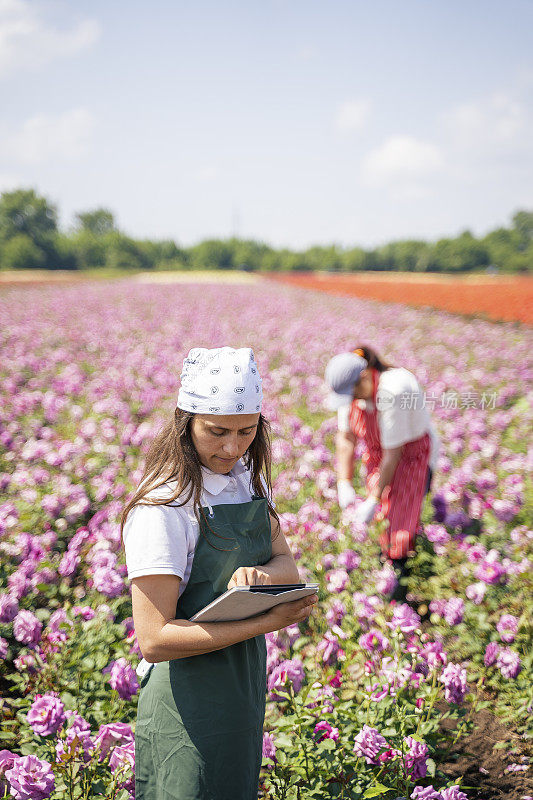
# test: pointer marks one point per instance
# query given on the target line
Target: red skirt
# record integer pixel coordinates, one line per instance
(401, 503)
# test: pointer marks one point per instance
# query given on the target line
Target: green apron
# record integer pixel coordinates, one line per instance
(199, 730)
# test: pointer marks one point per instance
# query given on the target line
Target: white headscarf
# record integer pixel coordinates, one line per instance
(220, 381)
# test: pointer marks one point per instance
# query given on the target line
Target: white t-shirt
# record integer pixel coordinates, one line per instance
(402, 413)
(161, 540)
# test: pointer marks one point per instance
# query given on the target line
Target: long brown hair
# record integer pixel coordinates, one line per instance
(374, 361)
(172, 456)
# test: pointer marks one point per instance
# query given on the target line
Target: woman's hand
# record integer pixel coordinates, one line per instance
(248, 576)
(286, 614)
(365, 512)
(345, 493)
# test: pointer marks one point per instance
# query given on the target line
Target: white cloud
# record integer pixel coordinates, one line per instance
(26, 41)
(493, 122)
(352, 115)
(402, 160)
(63, 137)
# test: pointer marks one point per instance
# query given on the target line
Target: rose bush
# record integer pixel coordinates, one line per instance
(355, 696)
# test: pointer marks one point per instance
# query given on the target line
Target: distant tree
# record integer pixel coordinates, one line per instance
(151, 252)
(523, 225)
(212, 254)
(98, 222)
(89, 250)
(385, 257)
(270, 260)
(168, 250)
(125, 253)
(24, 212)
(409, 255)
(521, 261)
(29, 237)
(92, 237)
(372, 260)
(327, 257)
(248, 254)
(290, 261)
(21, 252)
(164, 254)
(460, 254)
(65, 252)
(501, 245)
(354, 260)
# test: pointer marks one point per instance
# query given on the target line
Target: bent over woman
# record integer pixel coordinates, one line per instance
(384, 407)
(201, 522)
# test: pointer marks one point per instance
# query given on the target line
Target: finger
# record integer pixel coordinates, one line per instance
(237, 578)
(250, 576)
(233, 579)
(309, 601)
(302, 615)
(261, 577)
(303, 603)
(295, 606)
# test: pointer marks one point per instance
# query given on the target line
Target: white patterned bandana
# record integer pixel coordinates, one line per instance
(220, 381)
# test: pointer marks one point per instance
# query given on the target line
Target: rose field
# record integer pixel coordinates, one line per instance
(502, 297)
(430, 699)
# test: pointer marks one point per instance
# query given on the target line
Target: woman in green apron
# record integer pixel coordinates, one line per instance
(201, 522)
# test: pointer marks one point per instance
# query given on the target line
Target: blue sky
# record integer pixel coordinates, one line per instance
(296, 123)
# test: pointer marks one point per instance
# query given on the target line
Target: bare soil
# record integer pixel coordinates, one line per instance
(482, 768)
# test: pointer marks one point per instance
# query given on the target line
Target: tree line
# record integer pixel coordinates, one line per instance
(30, 238)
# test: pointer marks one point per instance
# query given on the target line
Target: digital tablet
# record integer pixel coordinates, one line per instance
(243, 602)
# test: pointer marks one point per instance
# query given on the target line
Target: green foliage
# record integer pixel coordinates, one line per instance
(97, 222)
(89, 250)
(502, 245)
(66, 255)
(24, 212)
(125, 253)
(28, 230)
(329, 258)
(356, 260)
(407, 256)
(463, 253)
(287, 261)
(21, 252)
(164, 255)
(523, 225)
(96, 242)
(212, 254)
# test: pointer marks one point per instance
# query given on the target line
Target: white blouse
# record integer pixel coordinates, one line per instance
(161, 540)
(402, 412)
